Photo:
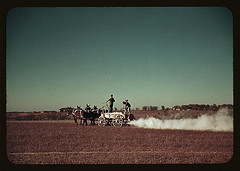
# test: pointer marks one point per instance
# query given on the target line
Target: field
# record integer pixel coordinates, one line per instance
(62, 142)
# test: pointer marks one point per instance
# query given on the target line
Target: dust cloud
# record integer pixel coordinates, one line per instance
(219, 121)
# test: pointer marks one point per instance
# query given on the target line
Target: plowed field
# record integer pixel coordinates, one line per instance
(62, 142)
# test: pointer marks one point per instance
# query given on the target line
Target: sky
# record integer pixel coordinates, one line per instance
(69, 56)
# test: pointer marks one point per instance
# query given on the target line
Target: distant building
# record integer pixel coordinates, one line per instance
(65, 109)
(149, 108)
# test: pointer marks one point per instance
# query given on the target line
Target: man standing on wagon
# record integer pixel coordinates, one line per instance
(111, 101)
(127, 108)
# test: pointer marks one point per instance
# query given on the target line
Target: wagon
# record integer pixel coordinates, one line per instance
(114, 118)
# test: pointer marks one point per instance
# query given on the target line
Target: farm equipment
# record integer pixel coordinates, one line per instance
(114, 118)
(103, 116)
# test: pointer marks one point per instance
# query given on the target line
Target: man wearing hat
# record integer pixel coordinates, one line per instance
(127, 107)
(111, 101)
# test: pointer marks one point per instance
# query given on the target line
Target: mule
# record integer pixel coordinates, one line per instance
(91, 115)
(76, 113)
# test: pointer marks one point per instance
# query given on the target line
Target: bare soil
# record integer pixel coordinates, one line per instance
(62, 142)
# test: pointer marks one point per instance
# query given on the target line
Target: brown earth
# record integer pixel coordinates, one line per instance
(62, 142)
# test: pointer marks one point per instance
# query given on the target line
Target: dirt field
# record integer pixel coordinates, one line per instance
(62, 142)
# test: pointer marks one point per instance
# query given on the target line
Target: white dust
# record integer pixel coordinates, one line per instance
(219, 121)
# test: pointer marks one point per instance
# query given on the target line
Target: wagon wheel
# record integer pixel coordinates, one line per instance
(117, 121)
(101, 121)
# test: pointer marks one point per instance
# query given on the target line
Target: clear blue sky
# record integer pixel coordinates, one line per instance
(58, 57)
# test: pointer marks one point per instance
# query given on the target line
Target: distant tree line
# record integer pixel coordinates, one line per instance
(53, 115)
(213, 107)
(37, 116)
